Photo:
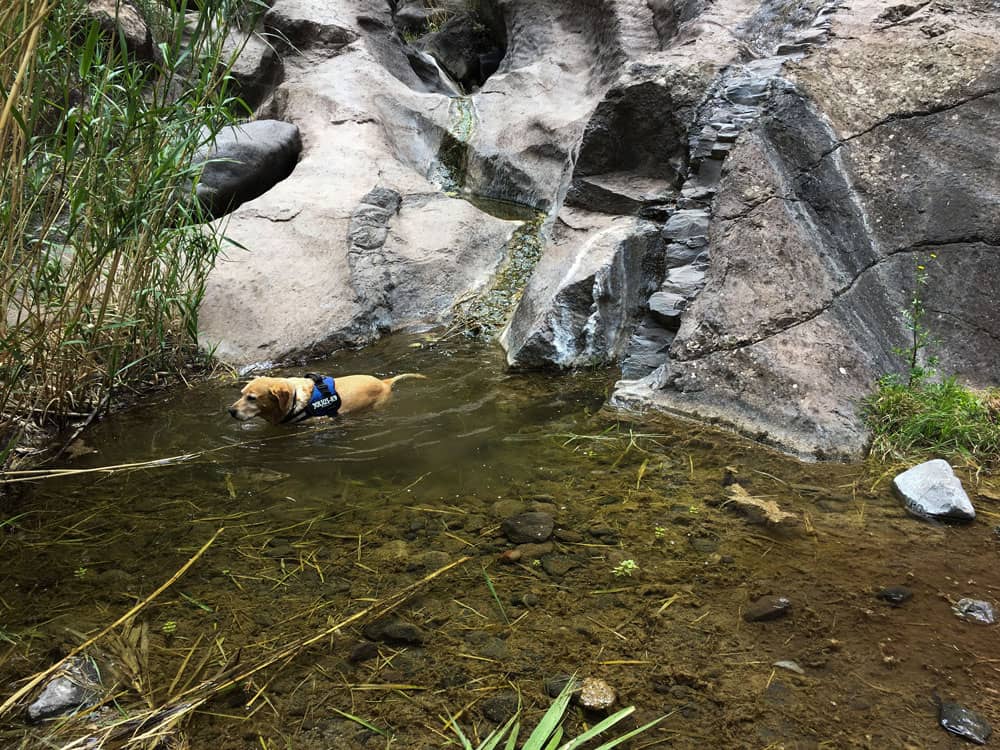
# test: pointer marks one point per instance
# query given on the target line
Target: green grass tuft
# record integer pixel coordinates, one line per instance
(940, 419)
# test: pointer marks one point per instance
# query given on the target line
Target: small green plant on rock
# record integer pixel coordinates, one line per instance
(919, 368)
(921, 415)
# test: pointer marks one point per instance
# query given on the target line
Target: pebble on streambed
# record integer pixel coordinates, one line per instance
(76, 686)
(895, 595)
(768, 608)
(964, 722)
(975, 610)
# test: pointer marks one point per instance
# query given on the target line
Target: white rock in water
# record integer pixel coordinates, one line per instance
(931, 489)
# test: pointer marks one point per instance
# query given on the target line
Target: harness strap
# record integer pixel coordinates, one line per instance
(325, 400)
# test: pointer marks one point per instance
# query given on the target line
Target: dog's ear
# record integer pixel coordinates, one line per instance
(284, 395)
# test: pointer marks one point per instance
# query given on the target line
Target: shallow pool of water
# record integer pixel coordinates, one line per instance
(328, 520)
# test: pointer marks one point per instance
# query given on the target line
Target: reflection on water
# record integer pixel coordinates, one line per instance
(325, 518)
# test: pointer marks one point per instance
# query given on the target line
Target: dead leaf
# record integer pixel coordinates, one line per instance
(758, 507)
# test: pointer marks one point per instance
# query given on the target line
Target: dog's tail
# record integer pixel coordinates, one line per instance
(404, 376)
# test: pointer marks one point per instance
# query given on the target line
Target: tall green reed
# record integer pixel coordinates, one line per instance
(103, 253)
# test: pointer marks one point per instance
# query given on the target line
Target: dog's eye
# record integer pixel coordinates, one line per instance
(251, 397)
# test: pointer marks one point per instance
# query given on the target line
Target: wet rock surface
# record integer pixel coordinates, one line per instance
(838, 203)
(76, 685)
(528, 527)
(964, 722)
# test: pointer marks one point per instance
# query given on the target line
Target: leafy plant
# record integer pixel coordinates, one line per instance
(943, 419)
(548, 733)
(915, 313)
(919, 415)
(103, 253)
(625, 568)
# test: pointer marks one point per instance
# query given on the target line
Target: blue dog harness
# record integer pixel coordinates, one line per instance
(325, 402)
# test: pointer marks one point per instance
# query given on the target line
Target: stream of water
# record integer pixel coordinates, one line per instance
(326, 519)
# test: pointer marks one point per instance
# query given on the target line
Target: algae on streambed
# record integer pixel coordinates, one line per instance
(325, 519)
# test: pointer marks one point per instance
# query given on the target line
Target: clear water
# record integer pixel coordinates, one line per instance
(327, 518)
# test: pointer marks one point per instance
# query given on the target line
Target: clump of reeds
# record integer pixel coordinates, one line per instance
(103, 254)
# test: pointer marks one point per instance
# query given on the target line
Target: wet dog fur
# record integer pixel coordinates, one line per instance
(272, 399)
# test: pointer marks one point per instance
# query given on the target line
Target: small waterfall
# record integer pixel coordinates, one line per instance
(452, 166)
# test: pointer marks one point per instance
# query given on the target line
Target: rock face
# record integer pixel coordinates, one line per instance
(735, 195)
(124, 20)
(850, 175)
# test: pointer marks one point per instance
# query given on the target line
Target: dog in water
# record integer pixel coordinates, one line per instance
(289, 400)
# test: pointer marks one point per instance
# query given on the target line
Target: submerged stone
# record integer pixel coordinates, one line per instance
(528, 527)
(76, 686)
(895, 595)
(975, 610)
(931, 490)
(768, 608)
(964, 722)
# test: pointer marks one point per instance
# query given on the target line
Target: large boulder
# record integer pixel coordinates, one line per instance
(586, 293)
(851, 176)
(245, 161)
(123, 20)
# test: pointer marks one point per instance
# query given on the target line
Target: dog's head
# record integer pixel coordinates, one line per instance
(268, 398)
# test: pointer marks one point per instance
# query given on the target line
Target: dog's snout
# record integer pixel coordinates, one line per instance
(232, 411)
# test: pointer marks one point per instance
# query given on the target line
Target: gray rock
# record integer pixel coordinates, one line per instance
(767, 608)
(895, 595)
(558, 565)
(931, 490)
(303, 24)
(666, 308)
(76, 686)
(460, 45)
(528, 527)
(393, 630)
(257, 68)
(786, 349)
(976, 610)
(500, 706)
(582, 301)
(964, 722)
(120, 18)
(246, 161)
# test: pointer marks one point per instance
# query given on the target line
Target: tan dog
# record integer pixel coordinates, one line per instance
(286, 400)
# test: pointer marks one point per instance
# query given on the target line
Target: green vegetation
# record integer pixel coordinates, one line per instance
(921, 415)
(625, 568)
(103, 256)
(548, 733)
(927, 419)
